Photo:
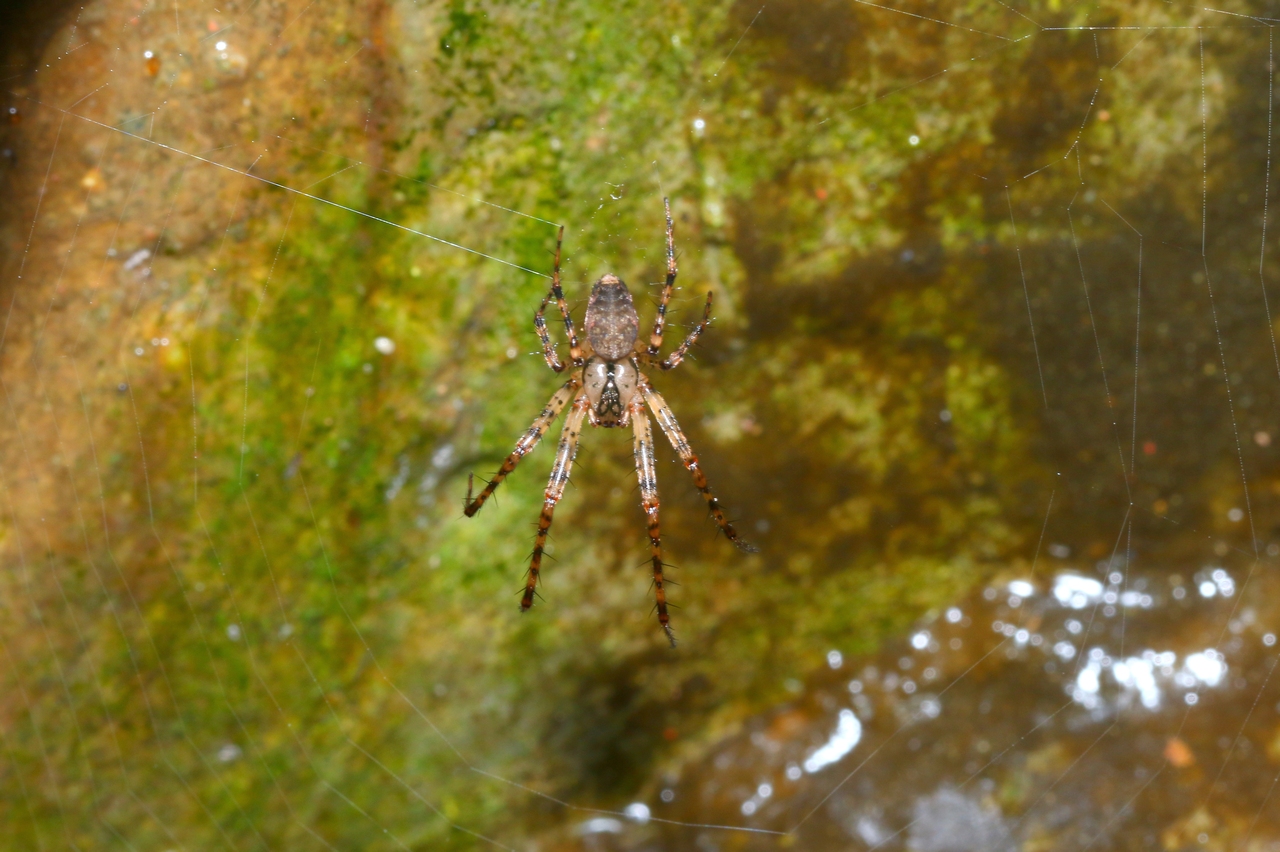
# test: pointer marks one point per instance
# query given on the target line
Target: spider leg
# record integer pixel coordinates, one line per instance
(667, 420)
(548, 348)
(575, 348)
(555, 489)
(660, 321)
(527, 442)
(677, 356)
(647, 472)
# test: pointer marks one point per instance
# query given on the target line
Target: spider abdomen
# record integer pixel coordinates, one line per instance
(611, 322)
(610, 387)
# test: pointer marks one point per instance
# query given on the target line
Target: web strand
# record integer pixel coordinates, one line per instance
(289, 189)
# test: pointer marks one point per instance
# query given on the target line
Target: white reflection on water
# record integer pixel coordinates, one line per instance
(638, 812)
(847, 734)
(1138, 674)
(1207, 667)
(1141, 676)
(1075, 591)
(1021, 588)
(600, 825)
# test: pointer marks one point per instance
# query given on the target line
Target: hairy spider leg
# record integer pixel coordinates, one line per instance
(647, 472)
(527, 442)
(667, 420)
(660, 321)
(678, 355)
(575, 348)
(555, 489)
(548, 348)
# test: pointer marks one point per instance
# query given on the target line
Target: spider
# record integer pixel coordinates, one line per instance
(606, 388)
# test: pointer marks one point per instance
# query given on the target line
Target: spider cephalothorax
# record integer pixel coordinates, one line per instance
(610, 387)
(607, 389)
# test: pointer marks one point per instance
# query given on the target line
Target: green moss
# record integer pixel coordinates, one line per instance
(310, 585)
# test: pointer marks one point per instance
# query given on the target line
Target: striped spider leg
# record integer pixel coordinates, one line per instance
(549, 353)
(660, 321)
(549, 348)
(677, 355)
(527, 442)
(670, 427)
(647, 473)
(555, 490)
(649, 356)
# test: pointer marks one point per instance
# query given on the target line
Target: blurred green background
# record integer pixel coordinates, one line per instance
(241, 607)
